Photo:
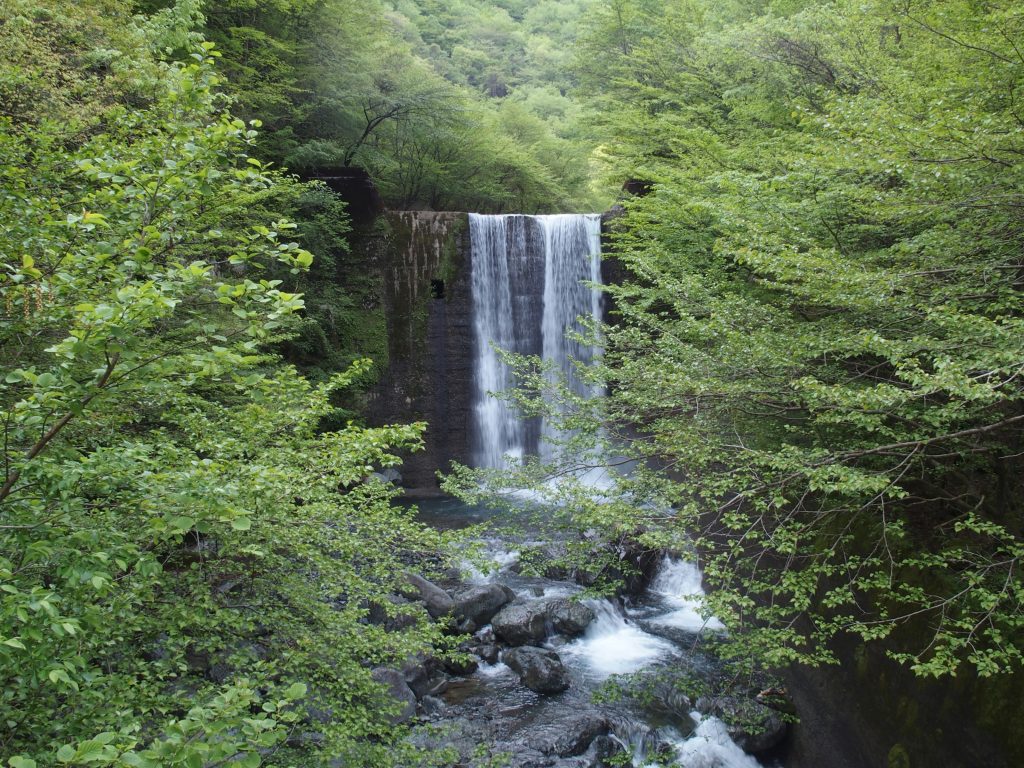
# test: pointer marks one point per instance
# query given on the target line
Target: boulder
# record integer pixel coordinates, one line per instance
(635, 568)
(530, 623)
(395, 685)
(397, 615)
(641, 565)
(432, 705)
(424, 675)
(521, 624)
(568, 617)
(477, 605)
(464, 665)
(604, 750)
(488, 652)
(439, 603)
(572, 734)
(538, 669)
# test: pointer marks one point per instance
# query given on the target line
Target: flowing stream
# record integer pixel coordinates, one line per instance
(529, 280)
(654, 637)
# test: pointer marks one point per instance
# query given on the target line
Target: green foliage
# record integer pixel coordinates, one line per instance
(186, 562)
(817, 355)
(336, 87)
(826, 298)
(344, 318)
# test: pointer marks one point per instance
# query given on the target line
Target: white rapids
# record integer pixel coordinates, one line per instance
(678, 584)
(613, 645)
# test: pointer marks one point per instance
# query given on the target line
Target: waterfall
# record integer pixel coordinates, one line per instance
(528, 292)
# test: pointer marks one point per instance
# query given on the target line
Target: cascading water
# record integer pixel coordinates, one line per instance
(531, 283)
(529, 277)
(614, 646)
(678, 584)
(572, 246)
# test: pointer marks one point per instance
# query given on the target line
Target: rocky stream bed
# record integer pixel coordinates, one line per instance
(553, 679)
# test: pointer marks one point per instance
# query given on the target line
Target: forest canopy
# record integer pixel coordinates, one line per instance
(187, 558)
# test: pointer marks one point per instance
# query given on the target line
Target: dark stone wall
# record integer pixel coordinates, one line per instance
(353, 185)
(869, 711)
(423, 258)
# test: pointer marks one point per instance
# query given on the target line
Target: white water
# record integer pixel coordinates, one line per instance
(710, 747)
(499, 431)
(493, 558)
(678, 583)
(497, 669)
(612, 645)
(572, 247)
(528, 275)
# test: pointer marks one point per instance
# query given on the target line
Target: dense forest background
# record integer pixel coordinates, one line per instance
(817, 350)
(449, 106)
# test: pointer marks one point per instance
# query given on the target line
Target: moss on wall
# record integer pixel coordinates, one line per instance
(423, 250)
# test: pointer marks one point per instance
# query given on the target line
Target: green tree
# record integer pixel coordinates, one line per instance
(187, 562)
(817, 354)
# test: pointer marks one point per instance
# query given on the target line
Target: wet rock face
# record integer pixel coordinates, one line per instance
(531, 623)
(488, 653)
(571, 733)
(422, 259)
(756, 728)
(520, 624)
(439, 603)
(639, 564)
(539, 669)
(396, 616)
(568, 617)
(464, 665)
(399, 690)
(477, 605)
(425, 676)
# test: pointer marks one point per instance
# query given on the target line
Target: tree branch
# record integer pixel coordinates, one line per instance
(52, 432)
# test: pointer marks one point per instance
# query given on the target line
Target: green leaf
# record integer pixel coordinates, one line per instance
(295, 691)
(182, 523)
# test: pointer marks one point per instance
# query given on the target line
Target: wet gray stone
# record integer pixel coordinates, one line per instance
(539, 669)
(439, 603)
(394, 682)
(521, 624)
(568, 617)
(478, 605)
(753, 726)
